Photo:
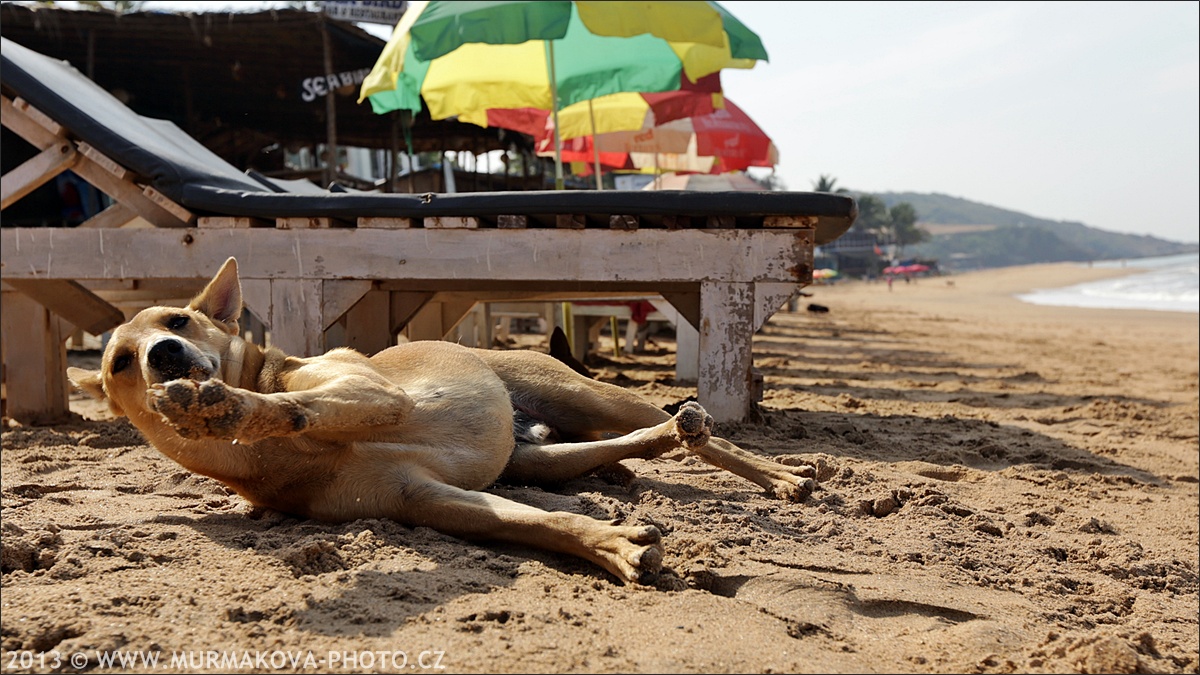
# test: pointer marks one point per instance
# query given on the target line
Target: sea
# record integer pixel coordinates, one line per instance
(1167, 284)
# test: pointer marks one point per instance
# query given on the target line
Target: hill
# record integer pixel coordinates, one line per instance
(969, 235)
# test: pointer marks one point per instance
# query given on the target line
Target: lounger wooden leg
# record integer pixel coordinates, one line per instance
(34, 361)
(726, 331)
(297, 325)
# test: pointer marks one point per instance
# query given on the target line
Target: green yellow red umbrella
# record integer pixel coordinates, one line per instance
(623, 111)
(726, 139)
(465, 58)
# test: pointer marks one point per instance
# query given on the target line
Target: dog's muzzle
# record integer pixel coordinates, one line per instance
(172, 360)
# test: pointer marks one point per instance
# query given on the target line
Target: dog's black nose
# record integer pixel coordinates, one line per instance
(169, 358)
(163, 353)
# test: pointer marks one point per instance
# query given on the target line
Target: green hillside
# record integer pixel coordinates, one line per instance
(1018, 238)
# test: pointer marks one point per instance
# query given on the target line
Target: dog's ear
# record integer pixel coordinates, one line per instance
(90, 382)
(221, 299)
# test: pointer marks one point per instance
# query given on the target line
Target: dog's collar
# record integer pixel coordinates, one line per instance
(232, 364)
(270, 376)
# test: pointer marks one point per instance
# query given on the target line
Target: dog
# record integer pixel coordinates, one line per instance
(414, 433)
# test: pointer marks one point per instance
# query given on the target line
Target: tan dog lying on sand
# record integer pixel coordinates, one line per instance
(412, 433)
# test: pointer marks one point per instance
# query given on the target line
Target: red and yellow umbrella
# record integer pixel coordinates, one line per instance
(726, 139)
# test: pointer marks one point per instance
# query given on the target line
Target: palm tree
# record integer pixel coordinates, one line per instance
(120, 6)
(826, 184)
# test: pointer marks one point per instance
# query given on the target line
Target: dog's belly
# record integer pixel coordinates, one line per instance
(460, 427)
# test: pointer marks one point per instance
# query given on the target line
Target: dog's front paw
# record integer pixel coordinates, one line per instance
(208, 409)
(693, 425)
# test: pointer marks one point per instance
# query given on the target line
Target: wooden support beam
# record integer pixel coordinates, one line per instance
(104, 162)
(169, 206)
(623, 222)
(116, 215)
(721, 222)
(509, 222)
(570, 221)
(176, 297)
(726, 313)
(339, 295)
(426, 324)
(454, 310)
(768, 298)
(688, 305)
(35, 172)
(654, 259)
(30, 123)
(582, 327)
(403, 306)
(385, 223)
(316, 223)
(452, 222)
(117, 182)
(232, 222)
(676, 222)
(35, 361)
(366, 324)
(687, 353)
(71, 301)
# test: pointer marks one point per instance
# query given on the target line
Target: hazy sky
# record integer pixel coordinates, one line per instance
(1084, 111)
(1081, 111)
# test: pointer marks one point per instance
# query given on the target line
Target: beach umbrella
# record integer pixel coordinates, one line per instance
(624, 111)
(465, 58)
(914, 268)
(700, 182)
(726, 139)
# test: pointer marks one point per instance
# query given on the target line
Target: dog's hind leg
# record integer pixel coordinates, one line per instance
(556, 462)
(622, 412)
(580, 408)
(631, 553)
(562, 461)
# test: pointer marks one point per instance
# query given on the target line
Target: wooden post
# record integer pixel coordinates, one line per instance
(726, 316)
(331, 144)
(35, 361)
(687, 348)
(297, 325)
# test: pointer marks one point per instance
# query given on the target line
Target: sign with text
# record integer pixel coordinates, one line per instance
(371, 12)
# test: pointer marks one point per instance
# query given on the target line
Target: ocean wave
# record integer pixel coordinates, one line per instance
(1169, 284)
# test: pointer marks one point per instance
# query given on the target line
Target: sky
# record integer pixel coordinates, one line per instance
(1077, 111)
(1080, 111)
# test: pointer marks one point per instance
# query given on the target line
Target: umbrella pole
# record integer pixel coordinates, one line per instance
(331, 144)
(595, 147)
(558, 170)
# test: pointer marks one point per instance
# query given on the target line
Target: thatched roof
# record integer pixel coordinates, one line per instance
(237, 82)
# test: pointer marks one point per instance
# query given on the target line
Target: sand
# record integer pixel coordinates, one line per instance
(1003, 487)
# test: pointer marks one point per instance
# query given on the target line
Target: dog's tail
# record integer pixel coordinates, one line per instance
(560, 349)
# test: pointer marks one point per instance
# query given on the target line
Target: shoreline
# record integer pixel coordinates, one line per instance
(982, 293)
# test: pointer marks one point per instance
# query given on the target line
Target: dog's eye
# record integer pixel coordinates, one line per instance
(121, 363)
(177, 322)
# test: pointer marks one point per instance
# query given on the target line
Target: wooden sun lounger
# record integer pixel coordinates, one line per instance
(365, 265)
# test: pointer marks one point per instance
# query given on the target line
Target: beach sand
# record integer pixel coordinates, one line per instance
(1003, 487)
